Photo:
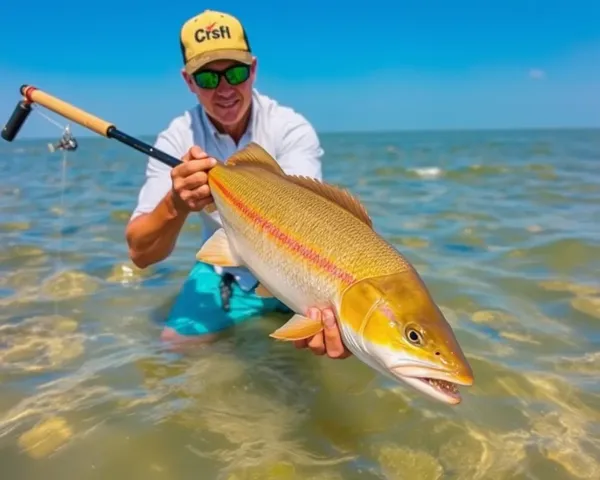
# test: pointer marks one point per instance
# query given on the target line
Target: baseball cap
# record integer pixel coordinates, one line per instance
(212, 36)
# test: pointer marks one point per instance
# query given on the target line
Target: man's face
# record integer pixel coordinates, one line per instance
(226, 103)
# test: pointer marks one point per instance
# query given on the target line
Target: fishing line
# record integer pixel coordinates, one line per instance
(43, 115)
(60, 265)
(65, 144)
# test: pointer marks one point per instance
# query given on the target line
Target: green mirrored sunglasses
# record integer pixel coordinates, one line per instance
(209, 79)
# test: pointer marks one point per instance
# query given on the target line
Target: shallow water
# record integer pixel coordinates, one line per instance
(503, 226)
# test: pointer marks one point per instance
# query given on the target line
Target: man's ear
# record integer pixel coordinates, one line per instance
(253, 68)
(189, 81)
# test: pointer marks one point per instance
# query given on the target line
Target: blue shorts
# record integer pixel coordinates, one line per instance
(197, 309)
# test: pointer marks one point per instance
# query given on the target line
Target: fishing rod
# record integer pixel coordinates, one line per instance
(33, 95)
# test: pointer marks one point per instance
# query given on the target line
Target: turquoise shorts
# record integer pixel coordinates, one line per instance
(198, 309)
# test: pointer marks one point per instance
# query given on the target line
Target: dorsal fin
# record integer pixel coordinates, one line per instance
(254, 154)
(341, 197)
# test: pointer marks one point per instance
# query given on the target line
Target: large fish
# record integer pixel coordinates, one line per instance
(311, 244)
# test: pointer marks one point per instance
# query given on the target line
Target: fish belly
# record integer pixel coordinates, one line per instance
(288, 279)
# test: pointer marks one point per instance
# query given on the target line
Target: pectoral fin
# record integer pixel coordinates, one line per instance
(298, 327)
(262, 291)
(210, 208)
(217, 251)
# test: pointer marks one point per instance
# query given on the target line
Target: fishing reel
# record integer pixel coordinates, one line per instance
(67, 142)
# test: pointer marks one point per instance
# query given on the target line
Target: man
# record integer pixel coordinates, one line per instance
(219, 69)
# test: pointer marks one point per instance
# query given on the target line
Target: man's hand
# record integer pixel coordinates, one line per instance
(190, 181)
(329, 341)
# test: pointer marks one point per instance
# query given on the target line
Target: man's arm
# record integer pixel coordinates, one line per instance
(152, 236)
(156, 222)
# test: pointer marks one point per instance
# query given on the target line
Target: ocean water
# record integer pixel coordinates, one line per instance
(503, 226)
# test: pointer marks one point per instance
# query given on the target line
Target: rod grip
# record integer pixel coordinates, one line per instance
(67, 110)
(16, 120)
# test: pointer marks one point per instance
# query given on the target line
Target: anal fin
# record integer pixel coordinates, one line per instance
(298, 327)
(217, 251)
(337, 195)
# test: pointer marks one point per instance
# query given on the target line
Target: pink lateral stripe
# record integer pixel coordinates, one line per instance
(283, 238)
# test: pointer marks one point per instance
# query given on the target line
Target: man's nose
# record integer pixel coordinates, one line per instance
(224, 89)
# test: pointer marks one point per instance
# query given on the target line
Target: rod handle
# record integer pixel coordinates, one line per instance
(67, 110)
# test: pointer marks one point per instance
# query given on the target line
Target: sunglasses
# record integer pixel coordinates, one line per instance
(209, 79)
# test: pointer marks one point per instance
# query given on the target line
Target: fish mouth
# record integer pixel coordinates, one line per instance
(438, 384)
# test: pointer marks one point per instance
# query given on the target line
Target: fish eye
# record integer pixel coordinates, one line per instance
(414, 336)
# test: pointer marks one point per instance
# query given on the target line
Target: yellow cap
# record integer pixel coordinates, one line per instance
(213, 36)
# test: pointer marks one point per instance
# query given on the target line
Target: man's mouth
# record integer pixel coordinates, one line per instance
(228, 103)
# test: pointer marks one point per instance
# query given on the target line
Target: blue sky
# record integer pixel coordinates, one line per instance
(378, 65)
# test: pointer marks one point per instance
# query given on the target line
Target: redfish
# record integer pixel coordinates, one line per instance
(311, 244)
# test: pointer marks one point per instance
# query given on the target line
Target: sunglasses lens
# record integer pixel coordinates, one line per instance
(238, 74)
(207, 79)
(235, 76)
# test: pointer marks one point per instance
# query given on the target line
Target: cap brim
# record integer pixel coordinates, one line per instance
(201, 60)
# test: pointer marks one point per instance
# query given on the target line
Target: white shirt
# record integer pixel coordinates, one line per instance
(284, 133)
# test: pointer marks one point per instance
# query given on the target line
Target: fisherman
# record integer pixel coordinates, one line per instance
(220, 70)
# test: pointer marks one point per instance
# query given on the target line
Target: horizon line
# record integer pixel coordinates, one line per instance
(89, 134)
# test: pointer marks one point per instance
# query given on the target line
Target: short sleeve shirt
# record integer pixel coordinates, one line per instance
(284, 133)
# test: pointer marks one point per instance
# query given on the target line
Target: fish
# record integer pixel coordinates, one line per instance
(313, 244)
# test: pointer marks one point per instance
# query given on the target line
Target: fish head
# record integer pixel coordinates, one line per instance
(395, 326)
